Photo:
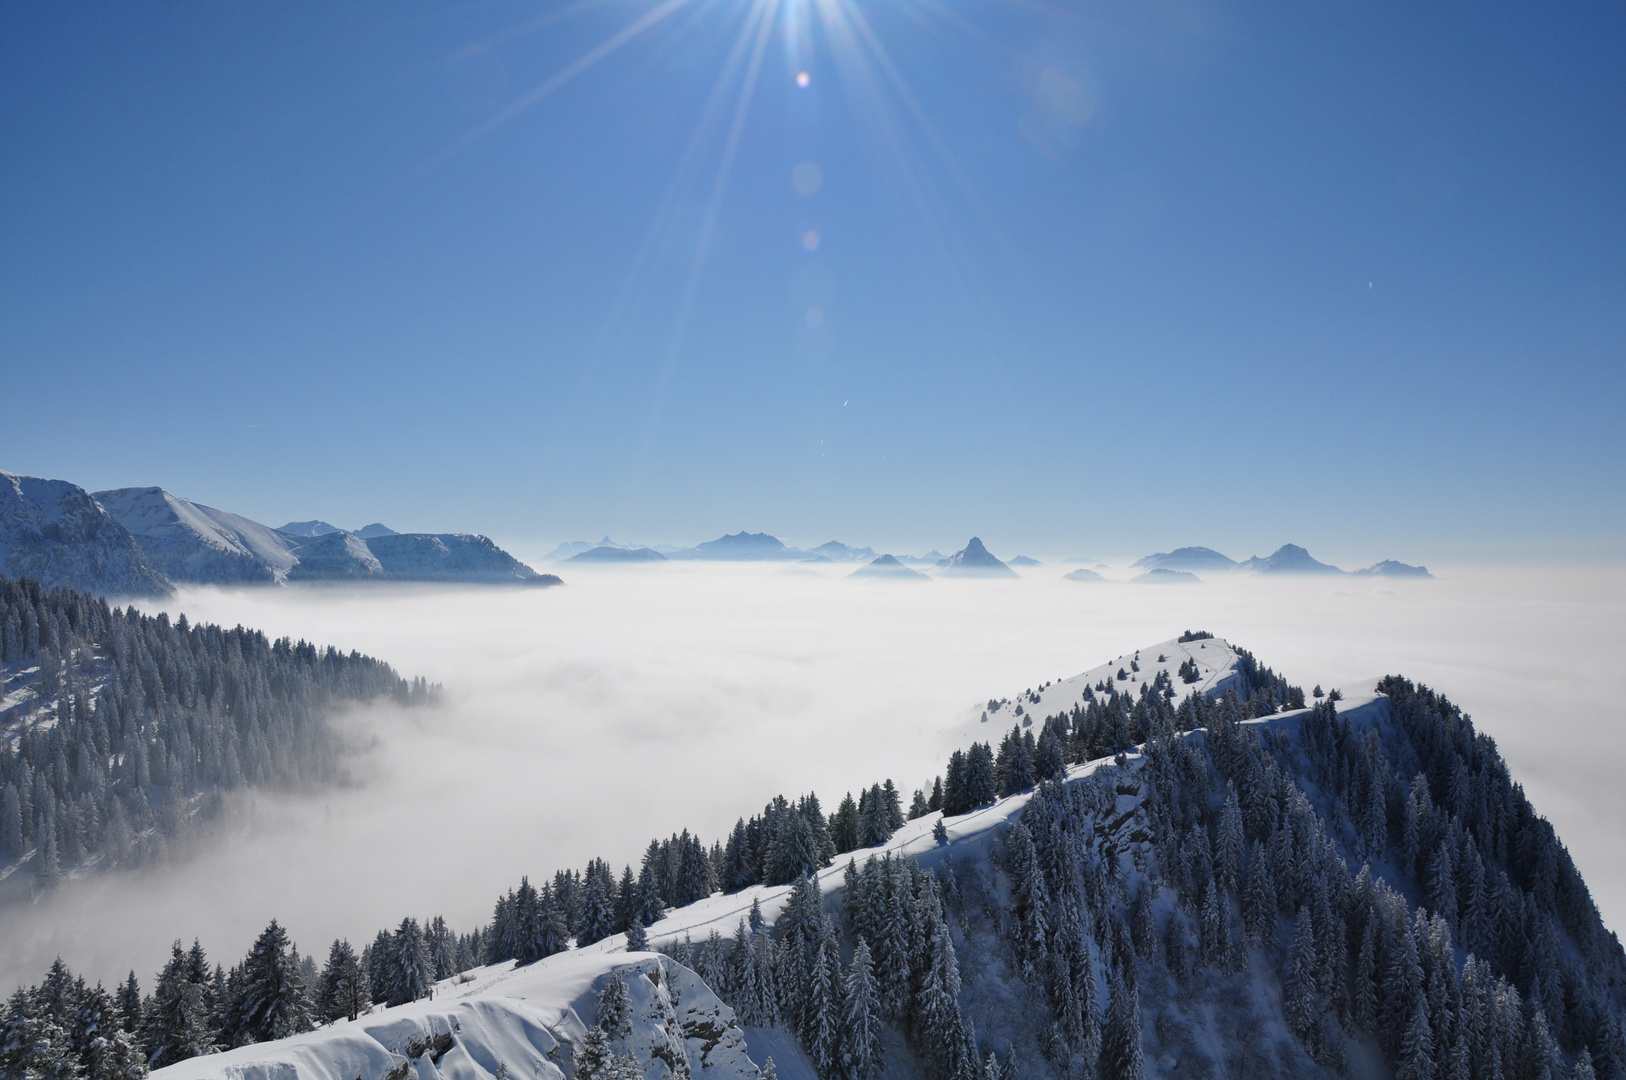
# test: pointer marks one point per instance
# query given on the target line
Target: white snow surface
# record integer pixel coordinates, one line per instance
(154, 515)
(529, 1019)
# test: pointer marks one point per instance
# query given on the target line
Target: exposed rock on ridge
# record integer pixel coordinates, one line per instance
(58, 534)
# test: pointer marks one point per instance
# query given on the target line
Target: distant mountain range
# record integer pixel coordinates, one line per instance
(1184, 564)
(138, 541)
(1287, 559)
(888, 568)
(741, 547)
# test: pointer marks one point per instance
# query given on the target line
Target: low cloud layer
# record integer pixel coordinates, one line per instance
(582, 721)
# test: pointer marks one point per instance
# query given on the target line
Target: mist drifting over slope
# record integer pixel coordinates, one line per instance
(582, 721)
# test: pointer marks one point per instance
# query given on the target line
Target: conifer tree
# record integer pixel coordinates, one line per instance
(615, 1007)
(1259, 898)
(32, 1044)
(821, 1016)
(176, 1023)
(273, 993)
(860, 1056)
(595, 1059)
(1228, 842)
(1299, 990)
(1416, 1058)
(344, 991)
(129, 1002)
(411, 976)
(1121, 1055)
(106, 1051)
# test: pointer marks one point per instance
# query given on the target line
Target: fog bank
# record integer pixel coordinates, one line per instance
(582, 721)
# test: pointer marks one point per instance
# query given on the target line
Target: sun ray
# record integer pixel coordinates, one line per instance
(564, 75)
(635, 283)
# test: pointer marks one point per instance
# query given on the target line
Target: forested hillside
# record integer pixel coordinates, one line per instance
(1151, 886)
(119, 732)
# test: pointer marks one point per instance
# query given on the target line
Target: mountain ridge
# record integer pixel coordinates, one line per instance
(57, 533)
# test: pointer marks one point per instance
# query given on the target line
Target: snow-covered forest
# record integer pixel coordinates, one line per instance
(1180, 886)
(120, 732)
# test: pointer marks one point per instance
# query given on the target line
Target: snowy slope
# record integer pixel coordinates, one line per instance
(969, 836)
(336, 556)
(1216, 664)
(56, 533)
(527, 1019)
(192, 542)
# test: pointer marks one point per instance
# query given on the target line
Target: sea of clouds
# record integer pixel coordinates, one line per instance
(633, 702)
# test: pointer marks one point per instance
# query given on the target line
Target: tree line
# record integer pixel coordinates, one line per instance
(151, 723)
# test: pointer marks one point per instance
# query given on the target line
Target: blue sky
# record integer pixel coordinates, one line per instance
(1090, 278)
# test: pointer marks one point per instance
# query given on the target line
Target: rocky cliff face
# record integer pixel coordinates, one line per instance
(56, 533)
(511, 1022)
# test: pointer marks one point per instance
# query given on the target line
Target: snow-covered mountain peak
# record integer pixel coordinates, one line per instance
(58, 534)
(1210, 666)
(974, 560)
(190, 542)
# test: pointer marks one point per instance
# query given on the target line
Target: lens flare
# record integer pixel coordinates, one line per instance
(806, 178)
(810, 240)
(802, 79)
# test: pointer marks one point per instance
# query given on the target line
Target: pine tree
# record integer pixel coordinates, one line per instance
(595, 1059)
(1417, 1048)
(1228, 842)
(1121, 1054)
(1259, 898)
(1364, 986)
(106, 1050)
(176, 1023)
(1442, 884)
(937, 1009)
(32, 1045)
(273, 995)
(129, 1002)
(1031, 899)
(1299, 991)
(411, 975)
(821, 1017)
(343, 992)
(637, 937)
(615, 1007)
(1143, 924)
(795, 850)
(860, 1057)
